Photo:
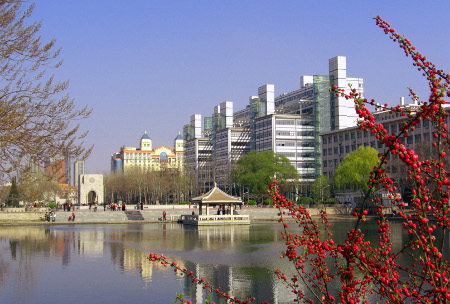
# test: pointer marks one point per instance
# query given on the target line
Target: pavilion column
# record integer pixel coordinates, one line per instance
(207, 209)
(231, 208)
(201, 207)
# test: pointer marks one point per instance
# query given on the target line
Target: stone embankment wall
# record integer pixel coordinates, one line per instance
(22, 216)
(11, 215)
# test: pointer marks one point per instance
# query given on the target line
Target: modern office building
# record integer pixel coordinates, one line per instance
(289, 125)
(337, 144)
(148, 159)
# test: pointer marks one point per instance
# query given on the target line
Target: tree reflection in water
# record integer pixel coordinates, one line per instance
(109, 262)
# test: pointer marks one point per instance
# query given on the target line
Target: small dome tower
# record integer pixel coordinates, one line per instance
(178, 143)
(146, 142)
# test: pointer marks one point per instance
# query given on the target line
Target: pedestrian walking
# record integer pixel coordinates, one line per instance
(164, 215)
(73, 217)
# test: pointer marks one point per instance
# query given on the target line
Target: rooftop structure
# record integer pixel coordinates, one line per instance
(226, 215)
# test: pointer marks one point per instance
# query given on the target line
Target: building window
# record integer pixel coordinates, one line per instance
(324, 152)
(324, 140)
(418, 138)
(358, 134)
(335, 138)
(347, 149)
(409, 140)
(352, 135)
(346, 136)
(341, 137)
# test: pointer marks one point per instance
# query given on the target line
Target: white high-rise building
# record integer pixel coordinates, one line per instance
(289, 125)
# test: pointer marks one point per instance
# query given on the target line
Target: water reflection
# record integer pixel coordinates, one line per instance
(95, 260)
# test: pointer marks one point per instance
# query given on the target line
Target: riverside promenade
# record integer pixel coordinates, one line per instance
(150, 214)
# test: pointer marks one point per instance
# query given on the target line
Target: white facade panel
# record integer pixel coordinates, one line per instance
(196, 123)
(306, 80)
(267, 93)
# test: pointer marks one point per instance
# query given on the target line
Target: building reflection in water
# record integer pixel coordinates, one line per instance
(240, 259)
(212, 252)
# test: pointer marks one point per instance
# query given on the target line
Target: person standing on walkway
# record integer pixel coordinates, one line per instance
(73, 217)
(164, 215)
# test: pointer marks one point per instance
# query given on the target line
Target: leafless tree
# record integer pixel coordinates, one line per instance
(38, 119)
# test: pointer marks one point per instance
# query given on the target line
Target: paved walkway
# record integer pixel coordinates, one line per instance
(89, 216)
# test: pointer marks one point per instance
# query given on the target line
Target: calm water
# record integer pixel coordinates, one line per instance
(107, 263)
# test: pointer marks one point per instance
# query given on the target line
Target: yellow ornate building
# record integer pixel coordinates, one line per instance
(148, 159)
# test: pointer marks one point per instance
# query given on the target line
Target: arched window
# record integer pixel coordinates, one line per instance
(163, 157)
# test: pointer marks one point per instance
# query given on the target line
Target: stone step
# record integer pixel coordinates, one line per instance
(134, 215)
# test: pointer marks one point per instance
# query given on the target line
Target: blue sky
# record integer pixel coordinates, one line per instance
(149, 65)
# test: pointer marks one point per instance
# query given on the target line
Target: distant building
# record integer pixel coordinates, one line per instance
(68, 170)
(78, 169)
(68, 193)
(55, 167)
(148, 159)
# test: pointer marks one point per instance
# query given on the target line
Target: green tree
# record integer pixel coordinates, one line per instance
(355, 168)
(38, 119)
(321, 189)
(13, 197)
(257, 169)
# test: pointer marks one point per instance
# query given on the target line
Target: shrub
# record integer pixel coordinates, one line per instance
(306, 200)
(330, 201)
(268, 202)
(251, 202)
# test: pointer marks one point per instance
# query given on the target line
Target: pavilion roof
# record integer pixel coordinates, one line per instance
(216, 196)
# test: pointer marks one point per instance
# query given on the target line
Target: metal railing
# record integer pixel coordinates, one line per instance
(212, 217)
